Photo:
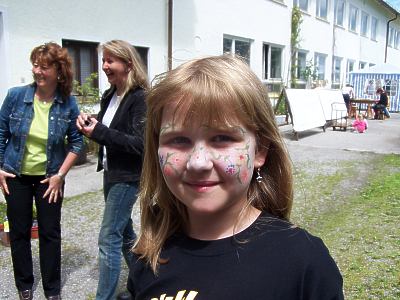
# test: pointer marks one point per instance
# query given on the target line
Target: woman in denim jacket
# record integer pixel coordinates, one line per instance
(36, 122)
(118, 130)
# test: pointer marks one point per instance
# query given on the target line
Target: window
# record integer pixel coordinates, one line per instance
(336, 70)
(362, 65)
(353, 16)
(322, 9)
(85, 58)
(272, 61)
(349, 68)
(397, 40)
(320, 60)
(143, 53)
(371, 86)
(301, 64)
(339, 12)
(237, 46)
(391, 37)
(302, 4)
(374, 28)
(390, 86)
(364, 23)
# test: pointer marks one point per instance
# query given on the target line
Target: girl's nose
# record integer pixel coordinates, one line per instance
(200, 159)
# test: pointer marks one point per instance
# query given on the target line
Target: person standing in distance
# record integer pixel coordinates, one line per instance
(118, 130)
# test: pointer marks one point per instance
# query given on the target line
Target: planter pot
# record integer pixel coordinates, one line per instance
(35, 232)
(4, 236)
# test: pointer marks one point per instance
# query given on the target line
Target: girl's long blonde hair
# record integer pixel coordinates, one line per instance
(215, 90)
(137, 77)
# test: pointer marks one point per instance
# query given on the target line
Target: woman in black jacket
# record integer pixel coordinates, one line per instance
(119, 132)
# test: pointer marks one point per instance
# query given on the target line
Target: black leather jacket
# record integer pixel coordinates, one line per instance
(124, 138)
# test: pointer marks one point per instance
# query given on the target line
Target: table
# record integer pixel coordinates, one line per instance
(369, 103)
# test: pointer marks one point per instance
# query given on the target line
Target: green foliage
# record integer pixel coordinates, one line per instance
(358, 222)
(310, 71)
(88, 97)
(3, 211)
(88, 94)
(297, 19)
(281, 107)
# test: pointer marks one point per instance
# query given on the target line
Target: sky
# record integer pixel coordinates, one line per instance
(394, 3)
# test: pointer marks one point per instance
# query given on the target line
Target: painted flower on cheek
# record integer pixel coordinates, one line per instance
(166, 165)
(230, 169)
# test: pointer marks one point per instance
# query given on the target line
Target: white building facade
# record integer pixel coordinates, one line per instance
(336, 36)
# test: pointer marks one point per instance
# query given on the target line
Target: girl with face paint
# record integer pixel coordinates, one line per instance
(216, 194)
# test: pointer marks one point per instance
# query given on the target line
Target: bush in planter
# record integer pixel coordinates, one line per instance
(88, 96)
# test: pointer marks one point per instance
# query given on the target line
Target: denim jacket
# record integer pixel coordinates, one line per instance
(16, 116)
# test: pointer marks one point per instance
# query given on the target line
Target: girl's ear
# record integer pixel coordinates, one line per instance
(261, 156)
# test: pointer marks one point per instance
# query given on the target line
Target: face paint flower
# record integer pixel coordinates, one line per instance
(230, 169)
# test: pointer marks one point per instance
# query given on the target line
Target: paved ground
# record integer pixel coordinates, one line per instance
(82, 215)
(382, 136)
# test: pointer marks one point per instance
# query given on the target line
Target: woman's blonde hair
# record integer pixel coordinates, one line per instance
(217, 90)
(137, 77)
(53, 54)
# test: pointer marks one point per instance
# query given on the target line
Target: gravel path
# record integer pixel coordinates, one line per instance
(314, 152)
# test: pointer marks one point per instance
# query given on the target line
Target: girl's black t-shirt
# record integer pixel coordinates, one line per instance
(272, 259)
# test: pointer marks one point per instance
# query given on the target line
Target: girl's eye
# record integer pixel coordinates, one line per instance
(180, 140)
(221, 138)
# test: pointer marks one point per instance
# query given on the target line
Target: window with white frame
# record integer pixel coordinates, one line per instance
(364, 23)
(362, 65)
(371, 65)
(374, 28)
(390, 86)
(272, 56)
(319, 63)
(336, 70)
(301, 64)
(322, 9)
(302, 4)
(349, 68)
(397, 40)
(371, 86)
(391, 37)
(237, 46)
(353, 16)
(339, 12)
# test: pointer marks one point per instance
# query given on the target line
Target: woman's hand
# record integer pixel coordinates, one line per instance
(55, 189)
(3, 181)
(85, 123)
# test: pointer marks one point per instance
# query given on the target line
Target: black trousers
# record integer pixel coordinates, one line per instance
(23, 190)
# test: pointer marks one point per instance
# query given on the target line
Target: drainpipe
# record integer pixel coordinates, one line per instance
(170, 18)
(387, 35)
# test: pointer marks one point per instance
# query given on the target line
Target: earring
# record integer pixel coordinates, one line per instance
(259, 177)
(58, 77)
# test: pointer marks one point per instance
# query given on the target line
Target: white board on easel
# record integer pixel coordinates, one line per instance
(329, 99)
(305, 108)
